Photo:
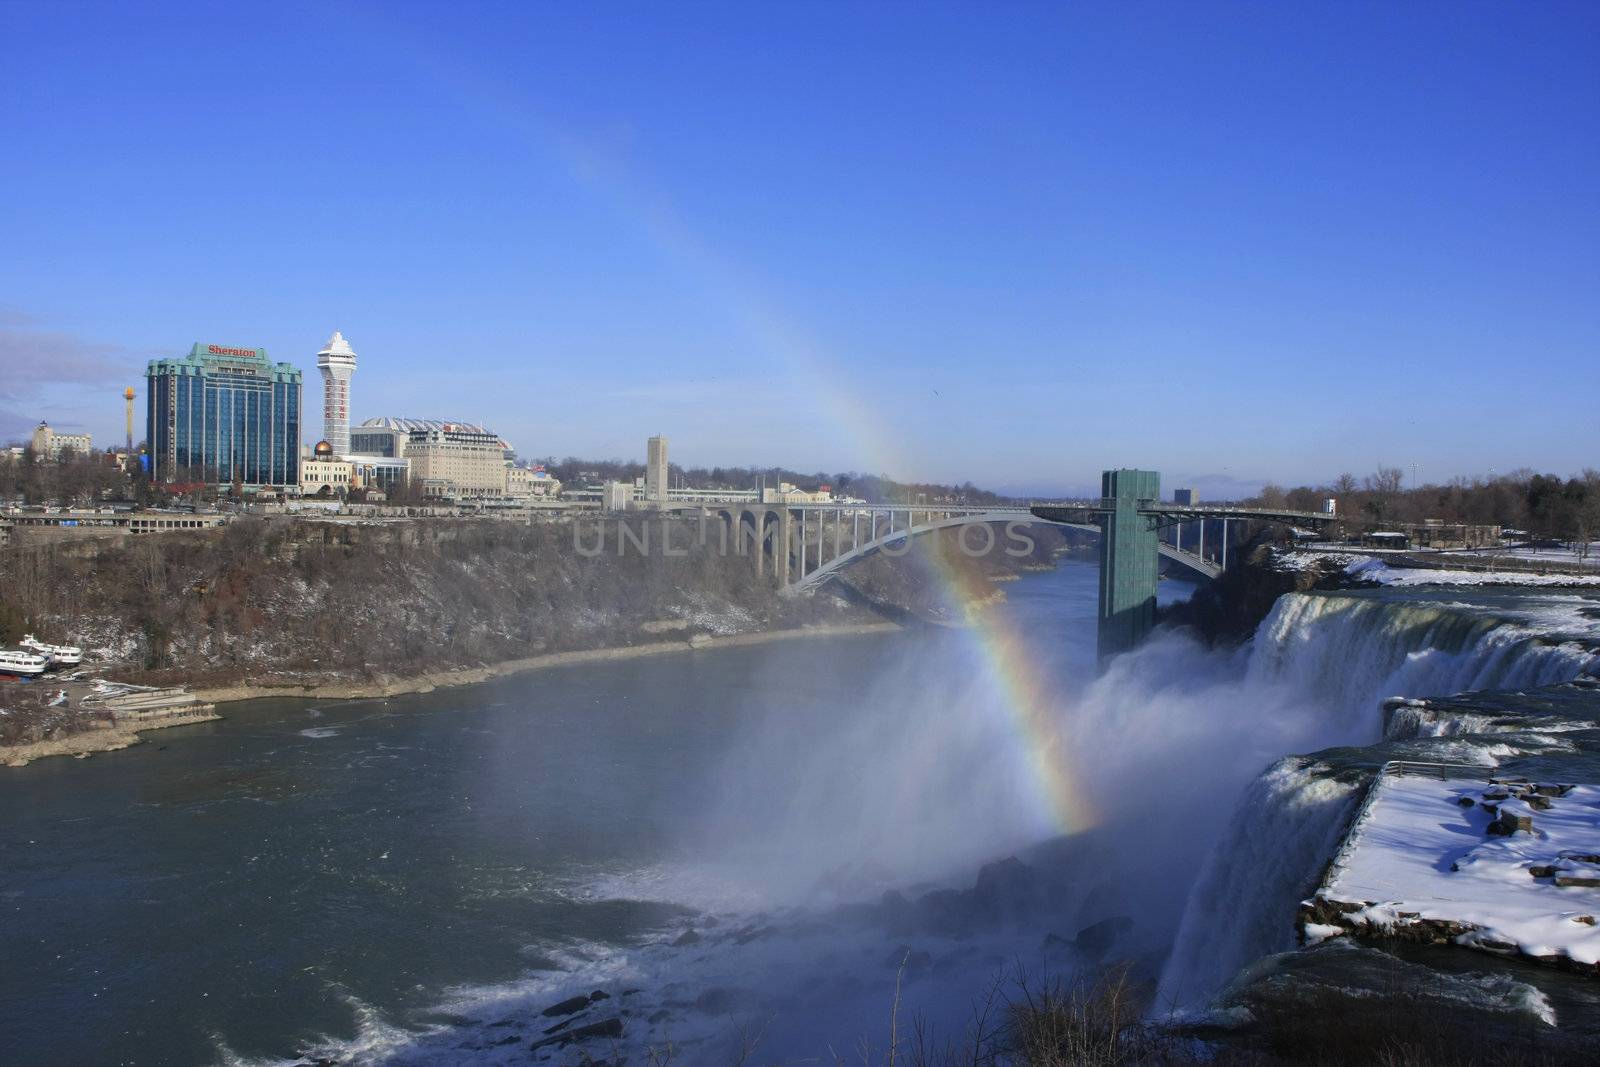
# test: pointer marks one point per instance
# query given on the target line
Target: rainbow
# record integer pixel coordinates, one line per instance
(1030, 701)
(1036, 717)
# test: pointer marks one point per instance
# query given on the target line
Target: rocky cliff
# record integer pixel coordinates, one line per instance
(1228, 610)
(352, 600)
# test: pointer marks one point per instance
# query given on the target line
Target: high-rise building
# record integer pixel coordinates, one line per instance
(223, 415)
(337, 362)
(655, 469)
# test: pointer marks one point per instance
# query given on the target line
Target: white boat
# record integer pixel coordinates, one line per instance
(66, 655)
(21, 664)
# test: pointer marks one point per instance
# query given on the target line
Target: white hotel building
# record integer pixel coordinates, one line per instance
(458, 460)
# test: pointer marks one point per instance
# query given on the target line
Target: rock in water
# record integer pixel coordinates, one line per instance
(1006, 886)
(605, 1028)
(567, 1007)
(1096, 939)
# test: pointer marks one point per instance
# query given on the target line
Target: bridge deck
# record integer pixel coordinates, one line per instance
(1074, 513)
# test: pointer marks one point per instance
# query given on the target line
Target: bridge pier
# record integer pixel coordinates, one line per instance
(1129, 545)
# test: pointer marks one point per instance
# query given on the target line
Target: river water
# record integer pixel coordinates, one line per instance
(734, 846)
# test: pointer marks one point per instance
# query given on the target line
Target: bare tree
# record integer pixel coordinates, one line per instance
(1382, 487)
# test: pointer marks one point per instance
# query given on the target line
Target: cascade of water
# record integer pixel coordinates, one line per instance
(1358, 650)
(1287, 824)
(1344, 653)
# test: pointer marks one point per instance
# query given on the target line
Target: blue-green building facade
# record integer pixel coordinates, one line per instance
(224, 415)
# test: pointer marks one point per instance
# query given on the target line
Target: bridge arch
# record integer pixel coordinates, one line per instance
(758, 531)
(813, 579)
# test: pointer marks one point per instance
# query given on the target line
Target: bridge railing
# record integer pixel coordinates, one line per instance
(947, 509)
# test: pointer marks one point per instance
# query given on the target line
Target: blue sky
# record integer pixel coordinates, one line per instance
(1007, 243)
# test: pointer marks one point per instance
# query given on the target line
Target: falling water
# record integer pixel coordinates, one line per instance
(1346, 653)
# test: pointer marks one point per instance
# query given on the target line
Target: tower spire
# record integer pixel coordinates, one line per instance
(337, 362)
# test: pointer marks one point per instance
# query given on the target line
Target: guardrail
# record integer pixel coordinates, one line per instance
(1442, 561)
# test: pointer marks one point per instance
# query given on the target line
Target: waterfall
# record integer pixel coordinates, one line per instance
(1344, 654)
(1357, 650)
(1286, 826)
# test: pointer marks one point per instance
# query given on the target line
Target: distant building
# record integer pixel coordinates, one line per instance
(383, 437)
(616, 496)
(223, 415)
(448, 459)
(787, 493)
(383, 473)
(457, 459)
(1186, 497)
(1436, 533)
(531, 482)
(325, 471)
(50, 445)
(655, 470)
(712, 496)
(337, 362)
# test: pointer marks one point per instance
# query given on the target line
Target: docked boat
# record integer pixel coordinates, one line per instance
(21, 664)
(65, 655)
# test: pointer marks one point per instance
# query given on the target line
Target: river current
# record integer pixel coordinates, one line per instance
(736, 846)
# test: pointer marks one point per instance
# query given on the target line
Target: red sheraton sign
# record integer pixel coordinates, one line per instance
(218, 350)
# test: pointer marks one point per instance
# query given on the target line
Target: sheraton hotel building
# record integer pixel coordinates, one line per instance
(226, 416)
(223, 415)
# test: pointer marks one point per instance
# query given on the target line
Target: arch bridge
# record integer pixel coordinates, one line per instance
(805, 545)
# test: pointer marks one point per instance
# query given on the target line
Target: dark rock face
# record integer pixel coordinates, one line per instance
(1346, 1002)
(570, 1006)
(605, 1028)
(1228, 610)
(1096, 939)
(1006, 887)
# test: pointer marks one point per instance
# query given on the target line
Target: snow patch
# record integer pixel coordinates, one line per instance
(1513, 866)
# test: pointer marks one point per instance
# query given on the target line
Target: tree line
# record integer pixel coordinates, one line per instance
(75, 479)
(574, 471)
(1545, 506)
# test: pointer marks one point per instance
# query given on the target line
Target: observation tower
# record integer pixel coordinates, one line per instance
(337, 362)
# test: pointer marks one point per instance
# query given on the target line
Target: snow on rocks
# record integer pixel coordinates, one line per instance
(1507, 866)
(1379, 572)
(1296, 561)
(1365, 568)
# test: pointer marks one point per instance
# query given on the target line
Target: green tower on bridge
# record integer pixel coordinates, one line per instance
(1130, 516)
(1128, 559)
